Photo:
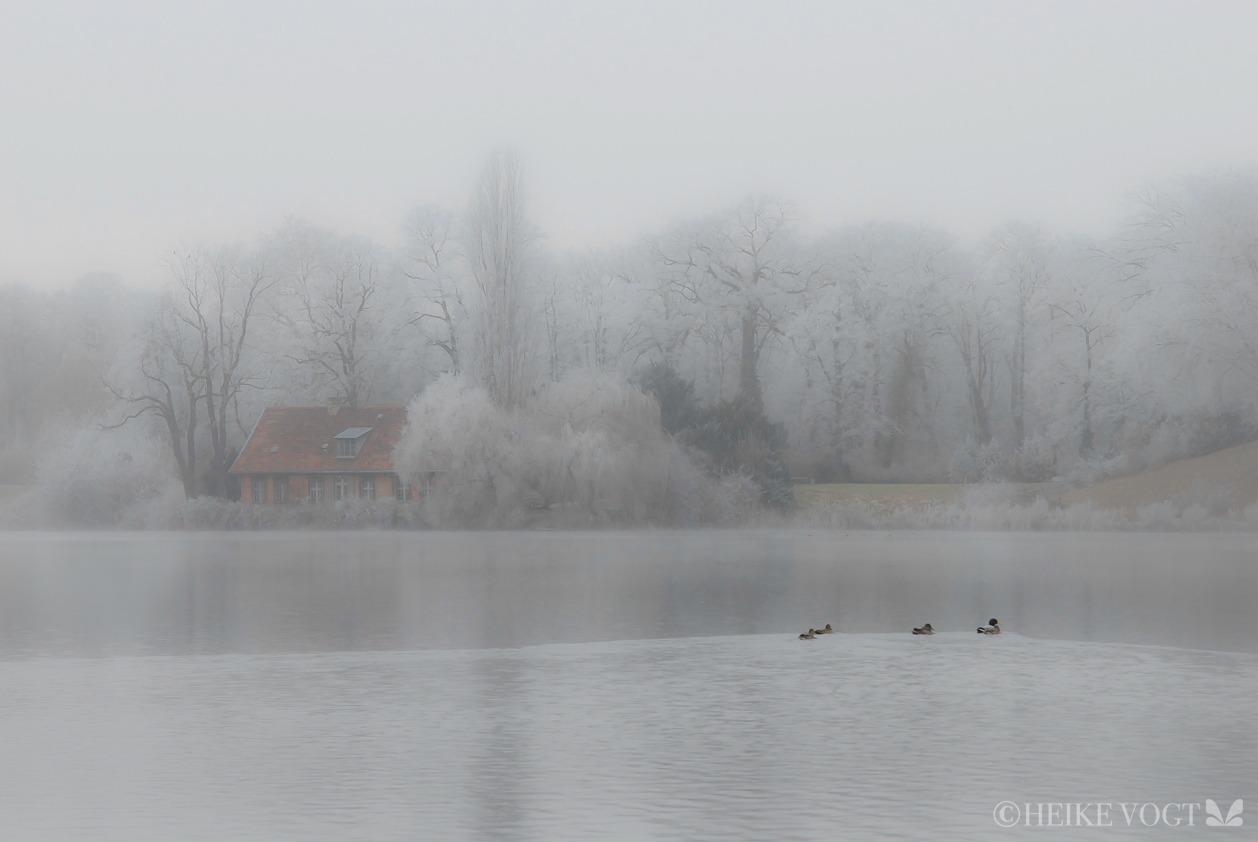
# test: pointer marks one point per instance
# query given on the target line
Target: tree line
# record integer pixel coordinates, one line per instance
(874, 352)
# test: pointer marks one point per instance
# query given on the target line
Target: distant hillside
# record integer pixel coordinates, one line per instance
(1236, 468)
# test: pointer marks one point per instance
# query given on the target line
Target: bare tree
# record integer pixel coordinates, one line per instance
(168, 382)
(440, 311)
(609, 316)
(331, 287)
(1084, 313)
(197, 353)
(744, 266)
(974, 329)
(221, 304)
(500, 242)
(1019, 263)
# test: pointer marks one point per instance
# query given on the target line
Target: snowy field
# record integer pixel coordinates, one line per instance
(746, 737)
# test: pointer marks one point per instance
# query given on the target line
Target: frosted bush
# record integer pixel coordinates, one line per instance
(736, 497)
(1171, 440)
(1196, 514)
(1217, 500)
(1035, 461)
(590, 444)
(976, 511)
(101, 478)
(972, 462)
(1156, 515)
(1097, 469)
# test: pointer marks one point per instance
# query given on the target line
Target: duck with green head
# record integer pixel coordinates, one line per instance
(992, 627)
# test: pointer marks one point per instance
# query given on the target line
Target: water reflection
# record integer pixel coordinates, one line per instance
(737, 737)
(178, 594)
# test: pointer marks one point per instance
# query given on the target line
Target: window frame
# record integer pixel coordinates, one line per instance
(314, 490)
(259, 483)
(279, 491)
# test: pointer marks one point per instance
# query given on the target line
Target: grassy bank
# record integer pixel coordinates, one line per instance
(888, 496)
(1230, 475)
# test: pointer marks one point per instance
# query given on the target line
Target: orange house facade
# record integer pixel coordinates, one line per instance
(318, 454)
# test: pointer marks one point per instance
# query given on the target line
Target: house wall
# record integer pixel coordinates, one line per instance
(299, 486)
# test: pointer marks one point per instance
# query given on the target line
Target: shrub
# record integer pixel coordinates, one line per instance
(972, 462)
(101, 478)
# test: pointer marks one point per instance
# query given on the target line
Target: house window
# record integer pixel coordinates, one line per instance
(430, 479)
(345, 448)
(281, 490)
(367, 488)
(342, 489)
(316, 489)
(401, 488)
(259, 489)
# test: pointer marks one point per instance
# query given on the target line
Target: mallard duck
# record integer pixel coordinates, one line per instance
(992, 627)
(926, 629)
(826, 630)
(812, 635)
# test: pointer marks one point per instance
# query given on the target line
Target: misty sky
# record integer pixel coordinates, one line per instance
(131, 127)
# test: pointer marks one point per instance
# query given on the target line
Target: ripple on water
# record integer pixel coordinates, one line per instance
(755, 737)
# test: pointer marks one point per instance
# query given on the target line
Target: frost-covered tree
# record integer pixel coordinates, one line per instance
(1195, 256)
(746, 270)
(1087, 296)
(975, 328)
(1017, 260)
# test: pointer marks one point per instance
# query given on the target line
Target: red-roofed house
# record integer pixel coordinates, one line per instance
(321, 454)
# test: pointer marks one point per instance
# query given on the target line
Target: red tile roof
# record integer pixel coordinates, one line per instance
(291, 439)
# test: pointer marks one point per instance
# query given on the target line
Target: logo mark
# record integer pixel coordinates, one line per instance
(1215, 817)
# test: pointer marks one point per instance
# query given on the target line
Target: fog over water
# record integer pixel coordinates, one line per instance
(100, 595)
(620, 686)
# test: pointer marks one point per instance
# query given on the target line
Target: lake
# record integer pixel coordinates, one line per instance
(619, 685)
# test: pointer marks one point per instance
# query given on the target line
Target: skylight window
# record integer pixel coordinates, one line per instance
(350, 442)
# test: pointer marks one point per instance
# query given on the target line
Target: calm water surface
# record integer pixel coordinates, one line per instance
(617, 685)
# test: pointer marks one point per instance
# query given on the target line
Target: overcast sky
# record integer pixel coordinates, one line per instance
(128, 128)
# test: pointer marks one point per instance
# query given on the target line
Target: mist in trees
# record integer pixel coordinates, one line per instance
(684, 374)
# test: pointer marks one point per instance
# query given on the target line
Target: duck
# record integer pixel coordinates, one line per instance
(826, 630)
(992, 627)
(812, 635)
(926, 629)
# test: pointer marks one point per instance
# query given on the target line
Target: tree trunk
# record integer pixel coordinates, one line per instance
(748, 379)
(1085, 439)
